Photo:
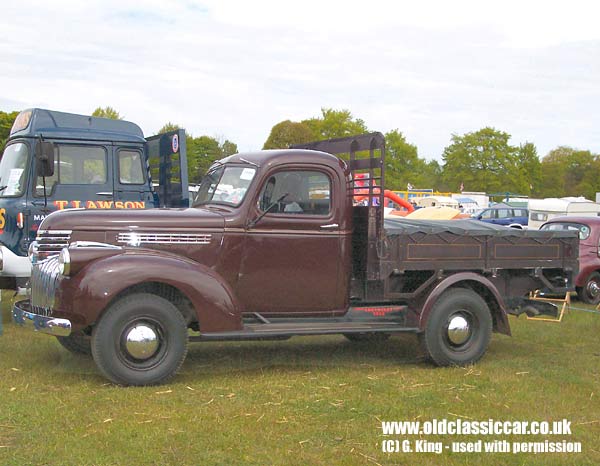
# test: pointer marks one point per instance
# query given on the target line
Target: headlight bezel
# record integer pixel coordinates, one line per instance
(64, 262)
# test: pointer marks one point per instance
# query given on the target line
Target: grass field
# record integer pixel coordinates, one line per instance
(302, 401)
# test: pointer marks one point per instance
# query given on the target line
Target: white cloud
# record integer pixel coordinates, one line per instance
(235, 68)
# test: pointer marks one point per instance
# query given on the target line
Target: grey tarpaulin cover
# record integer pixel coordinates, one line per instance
(465, 227)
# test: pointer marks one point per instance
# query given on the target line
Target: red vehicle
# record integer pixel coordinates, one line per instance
(274, 246)
(587, 281)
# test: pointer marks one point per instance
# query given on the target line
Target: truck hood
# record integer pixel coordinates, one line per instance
(105, 220)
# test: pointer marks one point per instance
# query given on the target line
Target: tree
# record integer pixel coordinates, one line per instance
(403, 165)
(168, 127)
(6, 121)
(286, 133)
(335, 124)
(530, 170)
(482, 161)
(570, 172)
(107, 112)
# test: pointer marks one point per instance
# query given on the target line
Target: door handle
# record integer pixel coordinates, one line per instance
(330, 226)
(104, 193)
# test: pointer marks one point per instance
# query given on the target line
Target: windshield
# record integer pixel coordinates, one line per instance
(12, 169)
(584, 230)
(225, 185)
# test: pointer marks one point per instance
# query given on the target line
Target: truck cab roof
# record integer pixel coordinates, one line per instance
(37, 122)
(274, 157)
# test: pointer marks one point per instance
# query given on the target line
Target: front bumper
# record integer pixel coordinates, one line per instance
(23, 316)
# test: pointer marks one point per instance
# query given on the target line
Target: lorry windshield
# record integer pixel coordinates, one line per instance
(13, 170)
(225, 185)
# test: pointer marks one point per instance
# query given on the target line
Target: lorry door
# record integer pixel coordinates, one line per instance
(291, 257)
(167, 163)
(83, 178)
(131, 183)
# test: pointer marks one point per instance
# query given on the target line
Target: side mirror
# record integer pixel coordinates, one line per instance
(44, 154)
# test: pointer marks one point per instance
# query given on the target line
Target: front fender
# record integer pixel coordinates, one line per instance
(91, 290)
(469, 279)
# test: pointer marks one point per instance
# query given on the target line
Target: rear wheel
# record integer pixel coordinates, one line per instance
(77, 343)
(458, 329)
(140, 340)
(590, 292)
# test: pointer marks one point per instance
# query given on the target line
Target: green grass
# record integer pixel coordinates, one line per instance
(302, 401)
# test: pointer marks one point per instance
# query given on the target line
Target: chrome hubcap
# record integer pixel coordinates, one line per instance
(459, 330)
(141, 342)
(593, 288)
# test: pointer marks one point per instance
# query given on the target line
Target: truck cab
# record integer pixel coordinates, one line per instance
(96, 163)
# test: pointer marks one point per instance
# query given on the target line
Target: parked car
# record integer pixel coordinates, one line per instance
(587, 281)
(504, 214)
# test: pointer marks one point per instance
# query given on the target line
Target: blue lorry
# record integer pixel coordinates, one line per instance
(91, 163)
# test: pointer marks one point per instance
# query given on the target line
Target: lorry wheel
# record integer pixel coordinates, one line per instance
(77, 343)
(458, 329)
(367, 337)
(140, 340)
(590, 292)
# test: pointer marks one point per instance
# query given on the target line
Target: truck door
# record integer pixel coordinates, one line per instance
(167, 164)
(132, 187)
(82, 179)
(291, 257)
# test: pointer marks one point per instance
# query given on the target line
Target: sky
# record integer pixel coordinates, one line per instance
(233, 69)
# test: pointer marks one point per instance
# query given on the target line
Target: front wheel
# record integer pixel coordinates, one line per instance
(458, 330)
(77, 343)
(140, 340)
(590, 292)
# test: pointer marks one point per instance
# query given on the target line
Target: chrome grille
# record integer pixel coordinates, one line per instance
(50, 242)
(44, 276)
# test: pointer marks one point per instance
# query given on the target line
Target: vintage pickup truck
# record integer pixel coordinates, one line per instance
(275, 246)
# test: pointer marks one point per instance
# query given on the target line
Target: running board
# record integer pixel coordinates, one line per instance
(290, 329)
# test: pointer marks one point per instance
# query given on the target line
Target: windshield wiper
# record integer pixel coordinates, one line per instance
(249, 163)
(2, 188)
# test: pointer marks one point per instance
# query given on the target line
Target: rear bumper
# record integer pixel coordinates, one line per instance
(23, 316)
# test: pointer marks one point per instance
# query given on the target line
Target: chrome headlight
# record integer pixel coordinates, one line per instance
(64, 262)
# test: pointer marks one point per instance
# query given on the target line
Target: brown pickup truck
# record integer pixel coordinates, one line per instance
(274, 246)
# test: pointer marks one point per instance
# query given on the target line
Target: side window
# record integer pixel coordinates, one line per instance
(296, 192)
(75, 165)
(131, 170)
(487, 214)
(504, 213)
(520, 213)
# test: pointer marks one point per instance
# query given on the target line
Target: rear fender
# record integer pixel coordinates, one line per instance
(101, 281)
(482, 286)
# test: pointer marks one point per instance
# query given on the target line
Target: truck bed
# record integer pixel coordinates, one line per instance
(474, 245)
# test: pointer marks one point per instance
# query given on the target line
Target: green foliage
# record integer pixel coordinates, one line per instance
(6, 121)
(288, 132)
(335, 124)
(404, 167)
(570, 172)
(482, 161)
(202, 152)
(169, 127)
(107, 112)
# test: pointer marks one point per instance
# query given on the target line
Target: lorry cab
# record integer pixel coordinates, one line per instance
(93, 163)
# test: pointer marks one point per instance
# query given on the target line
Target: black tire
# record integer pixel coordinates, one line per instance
(367, 337)
(77, 343)
(470, 316)
(140, 340)
(590, 292)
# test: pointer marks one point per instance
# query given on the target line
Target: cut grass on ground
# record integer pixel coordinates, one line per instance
(307, 400)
